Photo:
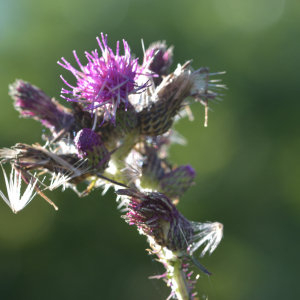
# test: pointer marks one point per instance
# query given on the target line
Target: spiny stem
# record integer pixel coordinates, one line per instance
(120, 154)
(179, 281)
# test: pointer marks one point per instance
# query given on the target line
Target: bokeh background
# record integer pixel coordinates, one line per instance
(246, 160)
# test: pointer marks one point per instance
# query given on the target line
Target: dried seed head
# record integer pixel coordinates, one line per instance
(28, 158)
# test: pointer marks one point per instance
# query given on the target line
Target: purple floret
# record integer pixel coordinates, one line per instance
(85, 141)
(106, 81)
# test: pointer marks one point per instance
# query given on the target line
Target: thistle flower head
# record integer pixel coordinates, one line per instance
(157, 217)
(207, 233)
(107, 80)
(175, 183)
(13, 186)
(32, 102)
(90, 146)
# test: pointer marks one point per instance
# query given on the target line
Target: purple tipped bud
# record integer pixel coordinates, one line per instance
(157, 217)
(162, 60)
(32, 102)
(90, 146)
(175, 183)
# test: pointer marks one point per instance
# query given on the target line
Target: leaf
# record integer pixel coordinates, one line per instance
(199, 266)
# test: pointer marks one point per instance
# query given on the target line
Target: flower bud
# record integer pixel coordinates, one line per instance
(175, 183)
(157, 217)
(32, 102)
(90, 146)
(162, 59)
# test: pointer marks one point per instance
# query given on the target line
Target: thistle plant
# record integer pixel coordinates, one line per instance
(117, 134)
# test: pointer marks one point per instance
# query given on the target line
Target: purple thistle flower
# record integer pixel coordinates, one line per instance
(107, 80)
(33, 103)
(90, 146)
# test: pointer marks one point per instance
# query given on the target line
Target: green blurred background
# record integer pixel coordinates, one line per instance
(246, 160)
